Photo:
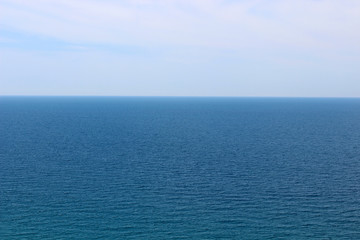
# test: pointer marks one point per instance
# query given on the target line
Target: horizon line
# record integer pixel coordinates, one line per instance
(179, 96)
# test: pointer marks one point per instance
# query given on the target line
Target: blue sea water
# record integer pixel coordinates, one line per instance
(179, 168)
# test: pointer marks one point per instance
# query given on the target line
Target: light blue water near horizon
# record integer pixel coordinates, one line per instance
(179, 168)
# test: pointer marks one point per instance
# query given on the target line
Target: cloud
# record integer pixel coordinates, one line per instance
(235, 25)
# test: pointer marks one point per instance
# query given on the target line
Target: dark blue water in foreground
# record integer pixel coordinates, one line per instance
(179, 168)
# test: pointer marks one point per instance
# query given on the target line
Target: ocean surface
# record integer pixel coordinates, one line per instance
(179, 168)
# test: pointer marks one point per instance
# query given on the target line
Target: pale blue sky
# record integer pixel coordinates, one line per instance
(298, 48)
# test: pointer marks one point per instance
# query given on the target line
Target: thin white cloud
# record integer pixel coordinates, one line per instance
(211, 23)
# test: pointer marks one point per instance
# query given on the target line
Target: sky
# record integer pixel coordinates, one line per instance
(245, 48)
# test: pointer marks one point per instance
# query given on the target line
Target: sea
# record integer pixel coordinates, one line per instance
(179, 168)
